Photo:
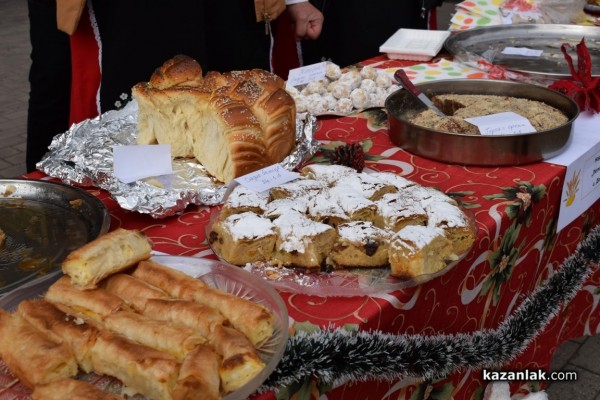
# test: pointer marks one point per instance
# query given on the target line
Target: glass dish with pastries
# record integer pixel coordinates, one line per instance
(122, 323)
(338, 232)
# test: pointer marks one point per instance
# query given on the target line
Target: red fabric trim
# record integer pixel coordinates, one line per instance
(85, 66)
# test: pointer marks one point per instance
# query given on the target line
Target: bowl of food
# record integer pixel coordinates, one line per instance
(450, 139)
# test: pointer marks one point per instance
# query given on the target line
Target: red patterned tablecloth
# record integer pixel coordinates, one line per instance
(517, 248)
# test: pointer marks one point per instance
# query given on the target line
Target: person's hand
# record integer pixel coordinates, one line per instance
(307, 20)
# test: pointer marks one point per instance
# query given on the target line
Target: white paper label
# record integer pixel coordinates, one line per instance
(504, 123)
(135, 162)
(522, 51)
(309, 73)
(266, 178)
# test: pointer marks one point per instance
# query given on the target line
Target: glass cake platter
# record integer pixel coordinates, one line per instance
(336, 282)
(215, 274)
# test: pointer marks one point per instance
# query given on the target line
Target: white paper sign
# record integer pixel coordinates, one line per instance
(131, 163)
(504, 123)
(582, 179)
(522, 51)
(309, 73)
(266, 178)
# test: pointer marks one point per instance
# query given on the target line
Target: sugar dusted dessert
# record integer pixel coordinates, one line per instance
(334, 216)
(397, 210)
(360, 244)
(301, 241)
(343, 91)
(455, 223)
(243, 199)
(243, 238)
(419, 250)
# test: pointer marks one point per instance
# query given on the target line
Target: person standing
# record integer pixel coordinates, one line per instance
(49, 81)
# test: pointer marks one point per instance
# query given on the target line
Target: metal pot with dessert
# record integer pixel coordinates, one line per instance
(453, 140)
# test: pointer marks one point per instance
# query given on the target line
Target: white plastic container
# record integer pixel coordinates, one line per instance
(414, 44)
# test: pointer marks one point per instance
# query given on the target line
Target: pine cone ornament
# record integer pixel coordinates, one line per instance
(350, 154)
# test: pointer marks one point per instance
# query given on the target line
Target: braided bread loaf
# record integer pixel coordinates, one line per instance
(233, 123)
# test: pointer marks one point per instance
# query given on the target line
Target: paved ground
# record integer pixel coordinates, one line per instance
(581, 355)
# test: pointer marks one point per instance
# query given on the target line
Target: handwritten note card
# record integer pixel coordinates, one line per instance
(266, 178)
(505, 123)
(131, 163)
(309, 73)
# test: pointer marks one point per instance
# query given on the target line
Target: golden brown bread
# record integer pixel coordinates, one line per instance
(31, 355)
(232, 123)
(180, 70)
(71, 389)
(106, 255)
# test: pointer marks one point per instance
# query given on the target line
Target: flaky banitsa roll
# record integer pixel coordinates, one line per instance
(106, 255)
(71, 389)
(173, 282)
(79, 336)
(196, 316)
(31, 355)
(199, 376)
(94, 303)
(252, 319)
(150, 372)
(241, 362)
(133, 291)
(175, 340)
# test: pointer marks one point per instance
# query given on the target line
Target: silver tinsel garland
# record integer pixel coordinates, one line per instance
(339, 356)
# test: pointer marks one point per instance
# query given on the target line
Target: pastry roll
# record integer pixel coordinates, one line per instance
(241, 362)
(106, 255)
(135, 292)
(202, 319)
(175, 340)
(150, 372)
(94, 303)
(199, 376)
(254, 320)
(31, 355)
(174, 282)
(71, 389)
(61, 327)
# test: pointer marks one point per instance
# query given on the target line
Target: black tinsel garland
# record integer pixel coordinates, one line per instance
(338, 356)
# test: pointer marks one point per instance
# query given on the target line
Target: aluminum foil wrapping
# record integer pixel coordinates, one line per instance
(83, 155)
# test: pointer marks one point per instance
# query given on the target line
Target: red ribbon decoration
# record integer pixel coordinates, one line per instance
(584, 88)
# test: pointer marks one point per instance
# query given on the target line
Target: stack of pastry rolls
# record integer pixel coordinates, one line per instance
(162, 333)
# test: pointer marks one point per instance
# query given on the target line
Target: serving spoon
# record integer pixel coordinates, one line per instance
(403, 80)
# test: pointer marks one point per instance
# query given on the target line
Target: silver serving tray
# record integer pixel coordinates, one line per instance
(488, 42)
(479, 150)
(43, 222)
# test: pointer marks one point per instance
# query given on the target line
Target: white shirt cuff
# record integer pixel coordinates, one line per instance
(290, 2)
